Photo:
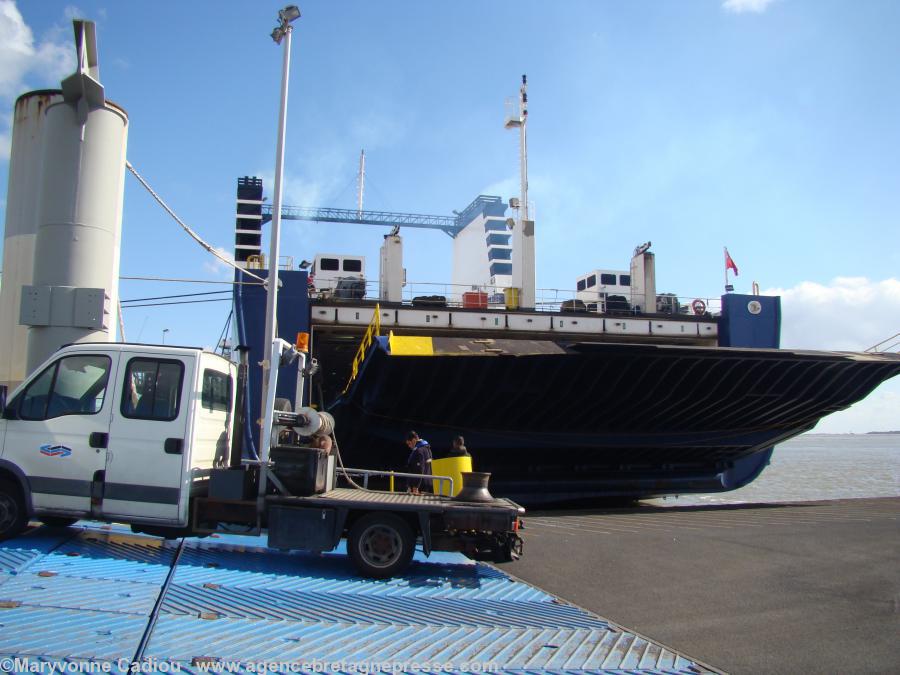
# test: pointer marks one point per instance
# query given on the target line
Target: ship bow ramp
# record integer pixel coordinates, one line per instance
(555, 421)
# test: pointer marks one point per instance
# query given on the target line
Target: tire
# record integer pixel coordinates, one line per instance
(58, 521)
(381, 545)
(13, 513)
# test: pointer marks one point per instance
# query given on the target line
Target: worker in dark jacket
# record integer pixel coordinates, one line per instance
(419, 461)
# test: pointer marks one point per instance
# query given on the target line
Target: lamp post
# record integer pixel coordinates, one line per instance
(165, 330)
(282, 33)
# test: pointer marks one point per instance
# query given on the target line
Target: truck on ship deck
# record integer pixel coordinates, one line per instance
(151, 435)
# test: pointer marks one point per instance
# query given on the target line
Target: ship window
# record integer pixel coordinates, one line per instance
(581, 284)
(625, 280)
(500, 268)
(351, 265)
(608, 279)
(329, 264)
(494, 239)
(592, 281)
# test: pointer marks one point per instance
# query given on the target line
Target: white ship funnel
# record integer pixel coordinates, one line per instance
(643, 279)
(21, 227)
(74, 291)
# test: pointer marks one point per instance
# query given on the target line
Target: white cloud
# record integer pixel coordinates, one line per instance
(218, 268)
(21, 58)
(378, 130)
(5, 136)
(742, 6)
(847, 314)
(505, 188)
(26, 64)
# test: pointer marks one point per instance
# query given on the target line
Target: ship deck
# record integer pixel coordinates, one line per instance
(100, 599)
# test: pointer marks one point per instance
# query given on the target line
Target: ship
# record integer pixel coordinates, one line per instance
(616, 391)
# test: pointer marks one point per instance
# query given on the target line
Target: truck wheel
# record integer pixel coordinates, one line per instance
(13, 515)
(381, 545)
(58, 521)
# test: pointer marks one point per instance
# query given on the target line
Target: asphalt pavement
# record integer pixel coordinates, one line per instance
(810, 587)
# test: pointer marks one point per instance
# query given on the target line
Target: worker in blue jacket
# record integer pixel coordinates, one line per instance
(419, 461)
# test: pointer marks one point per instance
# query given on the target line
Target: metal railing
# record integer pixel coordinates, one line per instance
(366, 473)
(546, 299)
(372, 331)
(889, 344)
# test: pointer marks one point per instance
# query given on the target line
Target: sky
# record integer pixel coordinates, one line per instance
(767, 126)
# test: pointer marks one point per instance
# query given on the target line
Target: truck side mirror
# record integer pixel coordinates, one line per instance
(9, 410)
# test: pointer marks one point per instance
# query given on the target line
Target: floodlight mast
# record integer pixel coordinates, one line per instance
(523, 145)
(523, 230)
(282, 33)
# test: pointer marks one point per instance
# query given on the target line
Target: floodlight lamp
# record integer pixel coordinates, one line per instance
(278, 35)
(289, 13)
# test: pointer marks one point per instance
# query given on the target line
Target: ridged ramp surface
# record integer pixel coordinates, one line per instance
(89, 593)
(84, 593)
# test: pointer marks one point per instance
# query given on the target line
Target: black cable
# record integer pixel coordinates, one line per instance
(340, 194)
(224, 328)
(182, 295)
(379, 193)
(183, 302)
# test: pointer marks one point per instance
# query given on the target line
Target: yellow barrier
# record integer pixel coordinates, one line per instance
(453, 467)
(511, 295)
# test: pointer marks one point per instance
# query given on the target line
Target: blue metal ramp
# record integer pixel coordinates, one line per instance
(99, 596)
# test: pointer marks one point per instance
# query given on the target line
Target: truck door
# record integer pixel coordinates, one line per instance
(60, 430)
(145, 461)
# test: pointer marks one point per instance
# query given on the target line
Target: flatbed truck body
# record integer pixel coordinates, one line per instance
(144, 435)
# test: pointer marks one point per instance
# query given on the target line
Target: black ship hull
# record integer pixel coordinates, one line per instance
(555, 421)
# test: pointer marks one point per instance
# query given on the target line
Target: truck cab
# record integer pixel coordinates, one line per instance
(116, 431)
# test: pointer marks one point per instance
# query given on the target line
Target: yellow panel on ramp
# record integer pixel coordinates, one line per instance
(411, 345)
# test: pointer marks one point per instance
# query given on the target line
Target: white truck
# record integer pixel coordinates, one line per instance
(147, 435)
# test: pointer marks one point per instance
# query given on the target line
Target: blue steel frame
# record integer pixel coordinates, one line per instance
(450, 225)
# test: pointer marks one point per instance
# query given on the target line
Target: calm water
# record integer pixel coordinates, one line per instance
(818, 466)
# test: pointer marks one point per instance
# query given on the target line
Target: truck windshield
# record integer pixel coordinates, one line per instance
(74, 385)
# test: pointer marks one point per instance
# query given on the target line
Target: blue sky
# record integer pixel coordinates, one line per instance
(767, 127)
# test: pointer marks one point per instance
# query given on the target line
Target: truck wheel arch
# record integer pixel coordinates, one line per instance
(13, 474)
(420, 523)
(381, 544)
(351, 515)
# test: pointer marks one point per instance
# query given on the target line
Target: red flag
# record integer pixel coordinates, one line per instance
(729, 263)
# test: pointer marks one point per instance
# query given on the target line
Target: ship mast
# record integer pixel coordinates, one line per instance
(361, 178)
(523, 145)
(523, 232)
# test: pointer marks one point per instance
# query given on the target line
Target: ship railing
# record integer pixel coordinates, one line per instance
(891, 344)
(372, 331)
(487, 296)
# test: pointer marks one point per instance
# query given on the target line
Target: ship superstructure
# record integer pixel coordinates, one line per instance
(610, 390)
